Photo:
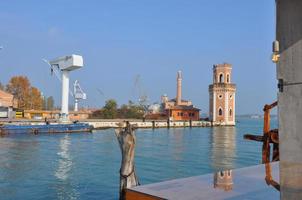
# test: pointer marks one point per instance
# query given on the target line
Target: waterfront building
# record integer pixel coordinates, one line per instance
(178, 108)
(7, 104)
(55, 114)
(7, 99)
(222, 95)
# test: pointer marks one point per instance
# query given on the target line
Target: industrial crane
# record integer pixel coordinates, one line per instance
(63, 66)
(143, 99)
(78, 94)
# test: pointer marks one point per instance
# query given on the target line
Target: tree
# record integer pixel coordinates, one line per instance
(19, 86)
(1, 86)
(44, 106)
(27, 96)
(109, 111)
(35, 100)
(126, 111)
(131, 111)
(97, 114)
(50, 103)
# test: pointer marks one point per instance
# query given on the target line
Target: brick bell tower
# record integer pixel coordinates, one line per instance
(222, 96)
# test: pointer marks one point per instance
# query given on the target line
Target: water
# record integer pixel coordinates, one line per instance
(86, 166)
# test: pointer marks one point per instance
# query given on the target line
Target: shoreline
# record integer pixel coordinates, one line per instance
(99, 124)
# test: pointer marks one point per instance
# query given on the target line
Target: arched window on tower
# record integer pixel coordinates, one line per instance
(221, 78)
(228, 78)
(220, 112)
(231, 112)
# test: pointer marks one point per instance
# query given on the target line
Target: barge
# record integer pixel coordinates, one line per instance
(46, 128)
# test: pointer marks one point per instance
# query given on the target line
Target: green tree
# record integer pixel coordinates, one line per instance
(126, 111)
(98, 114)
(135, 111)
(123, 111)
(109, 111)
(130, 111)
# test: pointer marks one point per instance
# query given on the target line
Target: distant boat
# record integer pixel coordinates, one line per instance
(46, 128)
(256, 116)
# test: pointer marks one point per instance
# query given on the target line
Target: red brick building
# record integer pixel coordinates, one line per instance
(178, 109)
(179, 113)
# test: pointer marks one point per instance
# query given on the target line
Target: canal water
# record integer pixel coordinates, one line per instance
(86, 166)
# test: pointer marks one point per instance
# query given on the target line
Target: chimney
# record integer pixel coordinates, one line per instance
(178, 94)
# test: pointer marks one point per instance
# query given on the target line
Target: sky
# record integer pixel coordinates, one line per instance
(121, 40)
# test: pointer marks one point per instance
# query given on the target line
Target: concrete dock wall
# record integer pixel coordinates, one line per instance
(150, 124)
(116, 123)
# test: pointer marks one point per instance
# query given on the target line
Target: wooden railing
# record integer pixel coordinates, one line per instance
(269, 137)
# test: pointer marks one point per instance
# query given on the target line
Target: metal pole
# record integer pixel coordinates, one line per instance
(65, 92)
(76, 102)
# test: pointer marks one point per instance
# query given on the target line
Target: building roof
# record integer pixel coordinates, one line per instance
(7, 99)
(183, 100)
(222, 65)
(182, 107)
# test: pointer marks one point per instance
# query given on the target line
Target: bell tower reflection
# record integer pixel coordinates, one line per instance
(223, 180)
(223, 147)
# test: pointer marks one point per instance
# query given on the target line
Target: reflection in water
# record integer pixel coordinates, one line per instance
(33, 167)
(65, 187)
(65, 161)
(223, 180)
(16, 163)
(178, 144)
(223, 147)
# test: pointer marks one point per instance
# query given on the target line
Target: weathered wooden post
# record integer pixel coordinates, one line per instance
(127, 140)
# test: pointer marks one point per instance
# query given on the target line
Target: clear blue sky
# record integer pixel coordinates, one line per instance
(152, 38)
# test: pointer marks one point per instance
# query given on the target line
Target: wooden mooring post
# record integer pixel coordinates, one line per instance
(127, 140)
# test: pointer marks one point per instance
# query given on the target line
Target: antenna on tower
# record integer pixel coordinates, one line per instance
(78, 94)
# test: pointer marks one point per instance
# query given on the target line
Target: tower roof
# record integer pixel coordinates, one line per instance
(222, 65)
(179, 74)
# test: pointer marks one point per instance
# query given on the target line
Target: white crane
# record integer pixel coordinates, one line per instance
(64, 65)
(55, 70)
(78, 94)
(143, 99)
